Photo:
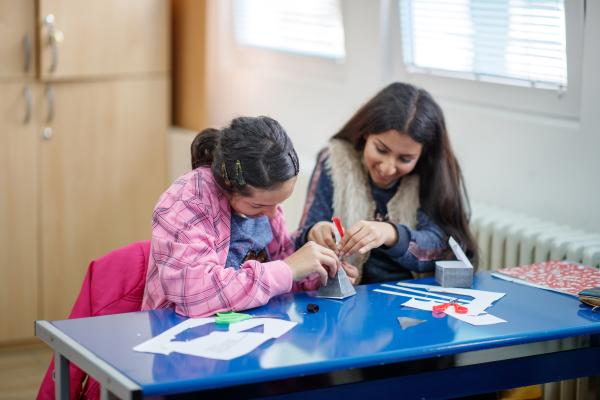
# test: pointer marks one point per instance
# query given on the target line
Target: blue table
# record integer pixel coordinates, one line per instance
(352, 348)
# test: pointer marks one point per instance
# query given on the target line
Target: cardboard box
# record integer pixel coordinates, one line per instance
(457, 273)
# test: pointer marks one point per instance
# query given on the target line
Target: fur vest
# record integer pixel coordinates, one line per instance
(352, 197)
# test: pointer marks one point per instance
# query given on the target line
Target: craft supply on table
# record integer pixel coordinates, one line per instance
(226, 318)
(457, 273)
(338, 287)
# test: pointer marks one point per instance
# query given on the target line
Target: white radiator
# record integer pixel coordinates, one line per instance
(508, 239)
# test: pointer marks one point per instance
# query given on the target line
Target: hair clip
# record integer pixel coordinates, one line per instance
(224, 174)
(239, 176)
(294, 163)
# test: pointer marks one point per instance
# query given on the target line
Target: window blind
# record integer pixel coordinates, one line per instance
(519, 42)
(307, 27)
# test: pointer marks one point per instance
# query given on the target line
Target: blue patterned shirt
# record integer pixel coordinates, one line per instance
(416, 249)
(249, 240)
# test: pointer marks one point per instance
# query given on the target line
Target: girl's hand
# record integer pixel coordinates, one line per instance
(351, 271)
(322, 233)
(367, 235)
(311, 258)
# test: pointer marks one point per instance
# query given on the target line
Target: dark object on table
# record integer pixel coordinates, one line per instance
(312, 308)
(590, 297)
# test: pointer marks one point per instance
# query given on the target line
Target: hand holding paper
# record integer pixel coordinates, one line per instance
(312, 258)
(367, 235)
(323, 233)
(340, 286)
(351, 271)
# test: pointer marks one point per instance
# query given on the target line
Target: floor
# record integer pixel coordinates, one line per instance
(21, 370)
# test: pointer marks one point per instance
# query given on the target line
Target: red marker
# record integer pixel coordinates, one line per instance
(338, 225)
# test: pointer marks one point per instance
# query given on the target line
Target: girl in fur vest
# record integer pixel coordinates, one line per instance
(219, 241)
(391, 176)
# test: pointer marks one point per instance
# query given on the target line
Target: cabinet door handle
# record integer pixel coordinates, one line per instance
(28, 104)
(50, 98)
(55, 36)
(47, 133)
(26, 52)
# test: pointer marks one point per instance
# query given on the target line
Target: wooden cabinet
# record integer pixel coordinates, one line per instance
(91, 38)
(17, 39)
(82, 147)
(189, 63)
(19, 216)
(18, 212)
(101, 173)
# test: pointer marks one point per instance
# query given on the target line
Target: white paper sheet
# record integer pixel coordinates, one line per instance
(481, 299)
(220, 345)
(481, 319)
(458, 252)
(160, 344)
(476, 314)
(412, 296)
(428, 294)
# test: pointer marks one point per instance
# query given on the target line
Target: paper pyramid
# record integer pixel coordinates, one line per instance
(338, 287)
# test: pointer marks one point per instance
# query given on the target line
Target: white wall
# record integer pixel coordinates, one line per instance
(541, 164)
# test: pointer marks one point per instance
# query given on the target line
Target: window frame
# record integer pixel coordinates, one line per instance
(274, 63)
(294, 52)
(562, 103)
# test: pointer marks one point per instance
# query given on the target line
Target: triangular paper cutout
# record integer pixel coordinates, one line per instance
(258, 329)
(197, 331)
(406, 322)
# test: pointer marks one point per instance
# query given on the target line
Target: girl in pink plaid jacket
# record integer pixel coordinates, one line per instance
(219, 241)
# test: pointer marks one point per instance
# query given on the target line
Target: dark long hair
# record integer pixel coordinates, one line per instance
(250, 152)
(411, 110)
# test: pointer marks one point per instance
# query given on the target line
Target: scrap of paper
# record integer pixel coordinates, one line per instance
(240, 339)
(407, 322)
(481, 319)
(424, 297)
(482, 299)
(436, 296)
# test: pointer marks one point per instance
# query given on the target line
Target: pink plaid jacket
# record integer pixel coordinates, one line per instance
(190, 242)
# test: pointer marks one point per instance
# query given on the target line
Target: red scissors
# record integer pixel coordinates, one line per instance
(457, 307)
